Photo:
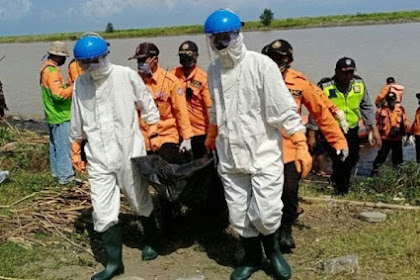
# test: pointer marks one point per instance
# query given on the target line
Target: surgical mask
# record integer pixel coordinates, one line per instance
(187, 61)
(144, 68)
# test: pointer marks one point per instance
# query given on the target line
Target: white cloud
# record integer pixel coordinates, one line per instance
(102, 8)
(14, 9)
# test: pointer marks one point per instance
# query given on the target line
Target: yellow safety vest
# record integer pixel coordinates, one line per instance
(349, 103)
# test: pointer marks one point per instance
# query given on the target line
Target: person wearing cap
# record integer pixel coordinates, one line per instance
(393, 124)
(415, 129)
(304, 93)
(250, 105)
(173, 138)
(194, 81)
(56, 97)
(104, 112)
(390, 86)
(349, 93)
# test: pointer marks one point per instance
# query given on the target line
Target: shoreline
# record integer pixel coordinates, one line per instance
(359, 19)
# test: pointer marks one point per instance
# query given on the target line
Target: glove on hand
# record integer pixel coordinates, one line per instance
(76, 158)
(343, 154)
(210, 141)
(303, 160)
(341, 118)
(185, 145)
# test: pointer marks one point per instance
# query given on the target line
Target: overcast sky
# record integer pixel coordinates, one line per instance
(20, 17)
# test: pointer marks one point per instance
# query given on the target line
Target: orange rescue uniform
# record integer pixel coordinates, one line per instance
(169, 97)
(200, 102)
(415, 127)
(73, 71)
(387, 119)
(304, 92)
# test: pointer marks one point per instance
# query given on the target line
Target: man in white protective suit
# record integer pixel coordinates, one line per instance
(251, 106)
(104, 113)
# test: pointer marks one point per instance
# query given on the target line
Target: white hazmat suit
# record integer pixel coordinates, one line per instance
(104, 113)
(251, 104)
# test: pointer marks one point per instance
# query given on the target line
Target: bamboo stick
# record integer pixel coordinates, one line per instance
(361, 203)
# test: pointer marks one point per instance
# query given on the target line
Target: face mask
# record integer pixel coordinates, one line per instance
(187, 60)
(144, 68)
(61, 62)
(97, 68)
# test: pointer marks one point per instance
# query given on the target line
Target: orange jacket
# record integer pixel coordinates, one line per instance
(397, 89)
(304, 92)
(415, 127)
(200, 102)
(53, 80)
(389, 120)
(73, 71)
(169, 97)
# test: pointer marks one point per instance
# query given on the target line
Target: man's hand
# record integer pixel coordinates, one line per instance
(210, 141)
(303, 160)
(76, 158)
(376, 137)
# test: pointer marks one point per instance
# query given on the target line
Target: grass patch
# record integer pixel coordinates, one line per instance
(301, 22)
(13, 257)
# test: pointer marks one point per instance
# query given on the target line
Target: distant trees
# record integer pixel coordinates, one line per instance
(109, 28)
(267, 17)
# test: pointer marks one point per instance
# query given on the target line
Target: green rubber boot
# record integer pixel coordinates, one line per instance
(150, 250)
(112, 242)
(251, 261)
(281, 268)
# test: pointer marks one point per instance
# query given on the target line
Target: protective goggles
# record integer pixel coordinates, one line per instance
(92, 63)
(186, 53)
(223, 40)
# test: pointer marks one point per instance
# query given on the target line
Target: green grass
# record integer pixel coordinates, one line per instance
(302, 22)
(13, 257)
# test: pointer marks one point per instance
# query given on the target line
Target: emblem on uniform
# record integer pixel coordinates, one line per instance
(356, 89)
(180, 91)
(276, 45)
(196, 83)
(332, 94)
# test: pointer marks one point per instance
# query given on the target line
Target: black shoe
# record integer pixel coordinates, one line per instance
(112, 242)
(150, 250)
(281, 268)
(251, 261)
(286, 241)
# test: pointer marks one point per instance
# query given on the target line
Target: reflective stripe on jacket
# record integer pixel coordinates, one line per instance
(350, 102)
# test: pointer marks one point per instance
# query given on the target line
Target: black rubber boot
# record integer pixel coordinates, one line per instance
(112, 242)
(287, 243)
(150, 250)
(281, 268)
(251, 261)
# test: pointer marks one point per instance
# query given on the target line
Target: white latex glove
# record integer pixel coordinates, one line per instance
(343, 154)
(341, 118)
(185, 145)
(409, 140)
(412, 140)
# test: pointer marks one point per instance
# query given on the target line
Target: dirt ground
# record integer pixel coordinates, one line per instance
(198, 245)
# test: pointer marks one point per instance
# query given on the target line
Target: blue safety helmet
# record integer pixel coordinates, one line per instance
(222, 20)
(90, 47)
